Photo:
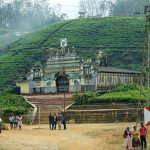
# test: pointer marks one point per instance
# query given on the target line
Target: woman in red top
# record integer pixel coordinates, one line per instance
(143, 132)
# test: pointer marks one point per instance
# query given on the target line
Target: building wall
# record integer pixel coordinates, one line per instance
(98, 81)
(107, 79)
(24, 86)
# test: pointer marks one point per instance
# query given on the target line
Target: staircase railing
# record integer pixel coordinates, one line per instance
(31, 116)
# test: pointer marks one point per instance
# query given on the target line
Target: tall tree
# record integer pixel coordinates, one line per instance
(28, 14)
(127, 7)
(94, 7)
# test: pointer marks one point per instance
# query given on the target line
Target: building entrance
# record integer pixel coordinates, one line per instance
(62, 84)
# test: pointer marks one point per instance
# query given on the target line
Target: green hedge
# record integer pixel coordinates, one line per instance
(125, 93)
(119, 97)
(126, 87)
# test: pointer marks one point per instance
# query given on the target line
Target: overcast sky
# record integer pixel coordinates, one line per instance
(70, 7)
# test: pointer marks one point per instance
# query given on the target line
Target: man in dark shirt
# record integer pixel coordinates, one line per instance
(51, 121)
(64, 121)
(59, 120)
(55, 121)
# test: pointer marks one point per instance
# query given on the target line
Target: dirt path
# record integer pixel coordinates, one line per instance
(76, 137)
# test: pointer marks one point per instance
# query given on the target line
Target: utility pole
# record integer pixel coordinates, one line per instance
(146, 57)
(64, 98)
(84, 76)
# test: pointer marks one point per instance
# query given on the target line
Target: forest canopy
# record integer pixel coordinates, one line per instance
(28, 14)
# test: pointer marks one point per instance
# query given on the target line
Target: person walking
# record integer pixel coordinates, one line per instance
(127, 136)
(143, 132)
(51, 121)
(64, 121)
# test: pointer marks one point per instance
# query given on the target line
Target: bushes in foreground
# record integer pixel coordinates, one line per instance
(13, 104)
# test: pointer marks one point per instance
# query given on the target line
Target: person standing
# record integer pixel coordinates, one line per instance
(143, 132)
(51, 121)
(127, 136)
(0, 124)
(135, 138)
(15, 122)
(55, 121)
(19, 121)
(11, 121)
(64, 121)
(59, 120)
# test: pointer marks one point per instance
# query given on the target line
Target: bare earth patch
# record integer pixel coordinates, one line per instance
(76, 137)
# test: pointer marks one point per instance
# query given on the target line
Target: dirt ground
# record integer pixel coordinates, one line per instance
(76, 137)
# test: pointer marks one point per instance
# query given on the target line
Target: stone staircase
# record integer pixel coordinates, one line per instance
(93, 113)
(49, 104)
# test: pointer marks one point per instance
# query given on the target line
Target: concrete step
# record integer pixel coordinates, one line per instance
(49, 103)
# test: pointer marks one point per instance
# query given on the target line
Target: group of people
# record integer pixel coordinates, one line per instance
(138, 137)
(15, 121)
(55, 120)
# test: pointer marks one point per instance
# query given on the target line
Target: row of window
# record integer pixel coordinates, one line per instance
(119, 78)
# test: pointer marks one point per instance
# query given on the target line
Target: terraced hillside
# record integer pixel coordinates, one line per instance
(121, 37)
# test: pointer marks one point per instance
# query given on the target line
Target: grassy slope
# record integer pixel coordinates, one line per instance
(114, 33)
(6, 38)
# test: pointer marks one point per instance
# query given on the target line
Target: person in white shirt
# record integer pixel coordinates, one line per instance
(19, 121)
(0, 124)
(11, 121)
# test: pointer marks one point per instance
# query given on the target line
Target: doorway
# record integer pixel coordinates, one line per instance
(62, 84)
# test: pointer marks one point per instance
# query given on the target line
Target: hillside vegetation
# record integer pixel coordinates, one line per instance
(7, 37)
(122, 39)
(13, 103)
(125, 93)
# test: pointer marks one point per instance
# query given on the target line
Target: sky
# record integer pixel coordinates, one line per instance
(70, 7)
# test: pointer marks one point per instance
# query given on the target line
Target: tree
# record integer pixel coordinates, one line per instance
(28, 14)
(81, 14)
(94, 7)
(127, 7)
(64, 16)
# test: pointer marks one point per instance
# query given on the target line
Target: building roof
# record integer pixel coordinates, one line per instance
(116, 70)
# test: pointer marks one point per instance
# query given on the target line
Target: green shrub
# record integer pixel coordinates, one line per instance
(12, 103)
(16, 110)
(125, 87)
(129, 96)
(119, 97)
(82, 98)
(76, 97)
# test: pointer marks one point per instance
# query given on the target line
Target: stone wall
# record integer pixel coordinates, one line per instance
(105, 113)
